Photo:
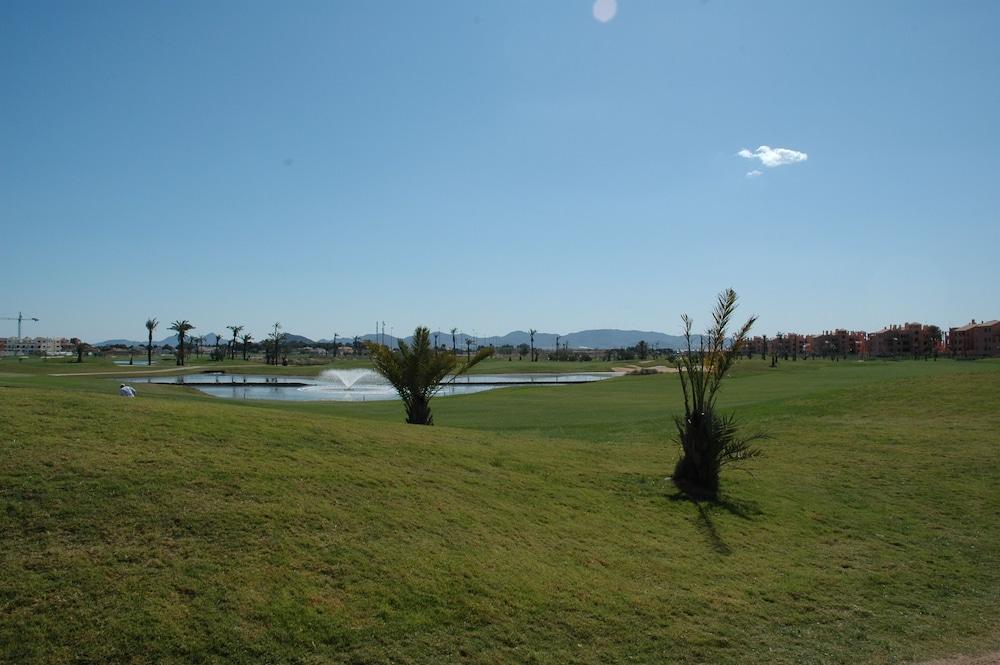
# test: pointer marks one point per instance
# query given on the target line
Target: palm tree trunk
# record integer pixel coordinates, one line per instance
(149, 350)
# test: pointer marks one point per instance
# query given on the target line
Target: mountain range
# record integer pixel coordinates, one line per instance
(605, 338)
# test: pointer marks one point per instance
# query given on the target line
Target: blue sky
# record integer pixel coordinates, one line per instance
(496, 165)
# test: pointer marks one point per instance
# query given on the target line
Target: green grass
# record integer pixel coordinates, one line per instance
(536, 527)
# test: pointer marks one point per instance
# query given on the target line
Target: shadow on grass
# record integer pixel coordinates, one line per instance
(743, 509)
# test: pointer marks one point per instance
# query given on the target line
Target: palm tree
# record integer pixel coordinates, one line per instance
(418, 372)
(181, 328)
(709, 441)
(150, 327)
(531, 336)
(236, 331)
(454, 349)
(247, 338)
(276, 338)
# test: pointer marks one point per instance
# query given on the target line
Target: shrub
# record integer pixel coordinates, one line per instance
(708, 440)
(416, 371)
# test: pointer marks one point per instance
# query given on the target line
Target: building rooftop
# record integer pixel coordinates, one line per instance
(973, 324)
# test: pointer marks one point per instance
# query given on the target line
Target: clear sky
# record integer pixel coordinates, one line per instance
(497, 165)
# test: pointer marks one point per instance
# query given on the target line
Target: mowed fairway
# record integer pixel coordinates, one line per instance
(530, 525)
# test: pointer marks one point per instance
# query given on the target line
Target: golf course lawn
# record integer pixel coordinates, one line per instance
(531, 525)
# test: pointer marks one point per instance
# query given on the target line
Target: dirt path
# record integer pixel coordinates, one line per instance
(985, 659)
(635, 369)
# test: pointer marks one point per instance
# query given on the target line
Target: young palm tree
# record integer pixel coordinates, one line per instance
(709, 441)
(236, 331)
(531, 336)
(454, 348)
(247, 338)
(181, 328)
(418, 372)
(150, 327)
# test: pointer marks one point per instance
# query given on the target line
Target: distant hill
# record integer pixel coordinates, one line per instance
(209, 340)
(605, 338)
(584, 339)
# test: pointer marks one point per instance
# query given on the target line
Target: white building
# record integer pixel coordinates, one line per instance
(31, 346)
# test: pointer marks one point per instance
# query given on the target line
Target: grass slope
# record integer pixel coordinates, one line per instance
(180, 528)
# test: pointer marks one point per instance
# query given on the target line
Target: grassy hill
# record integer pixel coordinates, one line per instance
(536, 527)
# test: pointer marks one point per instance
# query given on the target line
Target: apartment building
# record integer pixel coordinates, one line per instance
(31, 346)
(788, 344)
(906, 340)
(975, 340)
(839, 342)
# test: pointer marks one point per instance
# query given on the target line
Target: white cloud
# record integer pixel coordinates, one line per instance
(605, 10)
(771, 157)
(754, 174)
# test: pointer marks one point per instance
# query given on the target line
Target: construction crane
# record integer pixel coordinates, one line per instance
(19, 319)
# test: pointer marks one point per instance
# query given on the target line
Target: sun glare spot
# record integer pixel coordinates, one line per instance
(605, 10)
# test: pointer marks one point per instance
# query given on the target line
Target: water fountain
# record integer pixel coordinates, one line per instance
(347, 377)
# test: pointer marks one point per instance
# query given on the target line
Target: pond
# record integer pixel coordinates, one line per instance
(351, 385)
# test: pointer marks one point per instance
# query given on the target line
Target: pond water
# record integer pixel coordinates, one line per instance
(352, 385)
(137, 362)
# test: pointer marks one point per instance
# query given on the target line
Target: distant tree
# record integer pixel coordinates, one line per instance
(276, 339)
(417, 371)
(531, 337)
(763, 348)
(131, 354)
(81, 348)
(709, 441)
(232, 349)
(150, 327)
(454, 347)
(935, 335)
(246, 339)
(181, 328)
(642, 349)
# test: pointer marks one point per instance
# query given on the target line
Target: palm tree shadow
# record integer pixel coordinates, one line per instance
(742, 509)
